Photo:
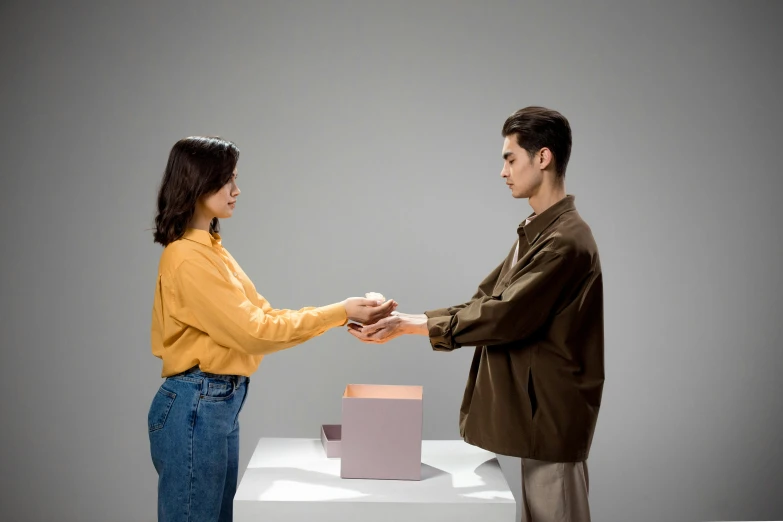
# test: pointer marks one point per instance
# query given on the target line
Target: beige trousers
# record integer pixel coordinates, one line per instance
(554, 491)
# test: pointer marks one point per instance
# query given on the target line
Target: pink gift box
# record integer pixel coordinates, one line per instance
(381, 432)
(330, 439)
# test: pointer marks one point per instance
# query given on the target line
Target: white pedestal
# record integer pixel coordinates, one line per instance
(292, 480)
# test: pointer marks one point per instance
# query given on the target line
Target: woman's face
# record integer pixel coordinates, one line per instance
(221, 204)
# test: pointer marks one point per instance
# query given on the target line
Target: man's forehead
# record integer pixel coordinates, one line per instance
(510, 146)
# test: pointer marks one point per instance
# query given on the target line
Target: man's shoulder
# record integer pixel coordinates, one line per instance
(572, 237)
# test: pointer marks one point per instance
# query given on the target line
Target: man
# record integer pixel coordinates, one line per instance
(537, 375)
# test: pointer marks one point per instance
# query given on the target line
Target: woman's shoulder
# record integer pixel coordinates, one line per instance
(182, 250)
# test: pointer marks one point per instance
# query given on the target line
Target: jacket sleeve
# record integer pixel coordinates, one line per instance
(517, 312)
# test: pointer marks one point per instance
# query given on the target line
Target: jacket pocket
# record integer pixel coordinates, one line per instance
(159, 409)
(531, 393)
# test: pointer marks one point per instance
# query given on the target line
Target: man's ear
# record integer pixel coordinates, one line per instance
(544, 158)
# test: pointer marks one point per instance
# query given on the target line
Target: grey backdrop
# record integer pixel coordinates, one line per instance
(370, 139)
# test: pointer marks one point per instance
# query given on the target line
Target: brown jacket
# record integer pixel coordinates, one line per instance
(535, 384)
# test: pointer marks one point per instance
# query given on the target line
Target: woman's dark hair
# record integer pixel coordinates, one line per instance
(539, 127)
(198, 166)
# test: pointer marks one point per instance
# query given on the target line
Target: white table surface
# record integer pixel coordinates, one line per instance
(292, 480)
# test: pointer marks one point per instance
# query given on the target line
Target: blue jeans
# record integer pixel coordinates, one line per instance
(194, 441)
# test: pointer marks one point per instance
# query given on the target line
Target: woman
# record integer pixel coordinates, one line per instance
(211, 328)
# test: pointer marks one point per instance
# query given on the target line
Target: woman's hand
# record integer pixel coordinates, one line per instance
(368, 311)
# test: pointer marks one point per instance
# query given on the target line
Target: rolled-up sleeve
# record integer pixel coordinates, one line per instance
(523, 306)
(210, 302)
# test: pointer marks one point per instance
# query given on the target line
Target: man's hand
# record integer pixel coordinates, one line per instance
(386, 329)
(368, 311)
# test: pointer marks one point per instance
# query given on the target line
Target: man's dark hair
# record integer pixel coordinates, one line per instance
(539, 127)
(198, 166)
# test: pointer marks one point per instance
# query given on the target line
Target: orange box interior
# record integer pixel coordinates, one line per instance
(382, 391)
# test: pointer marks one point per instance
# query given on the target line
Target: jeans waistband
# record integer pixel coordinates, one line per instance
(196, 372)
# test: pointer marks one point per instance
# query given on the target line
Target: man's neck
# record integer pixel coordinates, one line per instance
(547, 196)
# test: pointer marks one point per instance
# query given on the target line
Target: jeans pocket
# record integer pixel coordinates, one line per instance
(159, 409)
(219, 390)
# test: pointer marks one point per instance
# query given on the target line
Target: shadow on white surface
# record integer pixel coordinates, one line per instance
(429, 472)
(286, 484)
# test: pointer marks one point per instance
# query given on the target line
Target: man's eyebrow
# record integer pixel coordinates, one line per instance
(506, 155)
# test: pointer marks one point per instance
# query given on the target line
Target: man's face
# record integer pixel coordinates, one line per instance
(523, 175)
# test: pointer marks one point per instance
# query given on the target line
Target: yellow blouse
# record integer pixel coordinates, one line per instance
(207, 312)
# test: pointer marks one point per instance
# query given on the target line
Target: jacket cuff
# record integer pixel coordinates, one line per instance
(439, 328)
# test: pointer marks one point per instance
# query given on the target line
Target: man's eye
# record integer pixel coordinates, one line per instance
(511, 162)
